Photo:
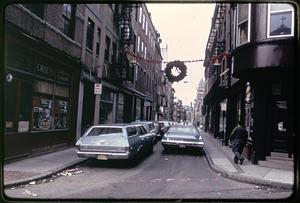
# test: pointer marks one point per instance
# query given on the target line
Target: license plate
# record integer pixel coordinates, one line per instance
(102, 157)
(181, 146)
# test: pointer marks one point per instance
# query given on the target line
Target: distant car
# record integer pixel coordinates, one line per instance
(150, 128)
(114, 141)
(165, 126)
(182, 136)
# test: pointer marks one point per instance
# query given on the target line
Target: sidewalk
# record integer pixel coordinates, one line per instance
(30, 169)
(220, 159)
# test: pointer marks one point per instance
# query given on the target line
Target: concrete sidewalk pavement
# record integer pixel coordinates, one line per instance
(220, 159)
(38, 167)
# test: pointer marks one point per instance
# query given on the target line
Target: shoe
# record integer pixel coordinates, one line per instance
(235, 160)
(241, 161)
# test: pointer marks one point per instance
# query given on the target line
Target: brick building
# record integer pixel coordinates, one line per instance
(54, 56)
(250, 76)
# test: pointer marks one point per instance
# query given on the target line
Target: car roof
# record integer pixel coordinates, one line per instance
(141, 122)
(120, 125)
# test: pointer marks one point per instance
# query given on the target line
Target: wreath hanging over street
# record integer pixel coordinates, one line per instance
(179, 67)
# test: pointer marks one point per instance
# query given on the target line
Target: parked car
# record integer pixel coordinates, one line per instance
(114, 141)
(150, 128)
(182, 136)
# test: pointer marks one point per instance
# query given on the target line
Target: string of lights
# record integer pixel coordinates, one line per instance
(213, 58)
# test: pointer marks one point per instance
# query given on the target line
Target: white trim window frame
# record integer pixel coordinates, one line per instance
(242, 23)
(140, 14)
(138, 43)
(276, 12)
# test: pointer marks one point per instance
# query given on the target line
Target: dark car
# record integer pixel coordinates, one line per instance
(181, 136)
(114, 141)
(150, 128)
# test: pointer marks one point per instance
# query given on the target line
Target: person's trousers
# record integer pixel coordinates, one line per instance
(237, 150)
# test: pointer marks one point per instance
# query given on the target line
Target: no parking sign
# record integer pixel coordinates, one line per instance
(98, 88)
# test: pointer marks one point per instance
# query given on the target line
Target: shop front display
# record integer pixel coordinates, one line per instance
(38, 102)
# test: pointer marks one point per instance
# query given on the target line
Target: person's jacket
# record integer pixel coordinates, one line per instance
(239, 135)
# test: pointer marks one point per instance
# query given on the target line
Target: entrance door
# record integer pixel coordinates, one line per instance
(279, 126)
(88, 106)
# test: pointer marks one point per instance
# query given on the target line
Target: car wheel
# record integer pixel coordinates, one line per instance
(201, 151)
(150, 149)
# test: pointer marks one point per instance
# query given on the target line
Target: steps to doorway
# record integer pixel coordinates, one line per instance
(278, 160)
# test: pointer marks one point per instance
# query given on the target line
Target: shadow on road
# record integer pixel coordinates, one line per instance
(183, 151)
(116, 164)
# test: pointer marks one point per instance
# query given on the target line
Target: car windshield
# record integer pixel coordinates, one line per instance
(104, 131)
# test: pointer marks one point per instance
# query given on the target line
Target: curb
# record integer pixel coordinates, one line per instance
(42, 175)
(243, 178)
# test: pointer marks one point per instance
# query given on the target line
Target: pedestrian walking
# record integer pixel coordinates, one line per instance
(238, 139)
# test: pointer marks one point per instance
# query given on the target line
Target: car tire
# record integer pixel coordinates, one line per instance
(150, 150)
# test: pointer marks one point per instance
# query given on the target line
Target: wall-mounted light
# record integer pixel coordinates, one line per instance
(9, 77)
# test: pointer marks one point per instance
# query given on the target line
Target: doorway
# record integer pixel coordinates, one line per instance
(279, 123)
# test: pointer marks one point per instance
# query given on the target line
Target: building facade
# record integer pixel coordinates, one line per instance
(42, 69)
(55, 57)
(250, 76)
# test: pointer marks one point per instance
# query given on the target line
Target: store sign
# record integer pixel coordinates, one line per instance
(223, 106)
(51, 72)
(97, 88)
(23, 126)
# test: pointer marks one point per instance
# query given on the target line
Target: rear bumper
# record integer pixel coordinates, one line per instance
(104, 155)
(183, 144)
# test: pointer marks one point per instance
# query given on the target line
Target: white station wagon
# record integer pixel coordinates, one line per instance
(114, 141)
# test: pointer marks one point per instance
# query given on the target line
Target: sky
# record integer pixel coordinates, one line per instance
(184, 28)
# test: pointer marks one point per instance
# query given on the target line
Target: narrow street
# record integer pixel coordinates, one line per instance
(174, 175)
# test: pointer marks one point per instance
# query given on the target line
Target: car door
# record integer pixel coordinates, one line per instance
(134, 140)
(145, 137)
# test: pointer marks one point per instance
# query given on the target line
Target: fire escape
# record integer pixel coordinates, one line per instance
(122, 17)
(214, 50)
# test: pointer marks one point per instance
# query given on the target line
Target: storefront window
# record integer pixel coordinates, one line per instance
(50, 111)
(17, 105)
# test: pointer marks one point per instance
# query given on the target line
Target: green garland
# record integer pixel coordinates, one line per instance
(178, 64)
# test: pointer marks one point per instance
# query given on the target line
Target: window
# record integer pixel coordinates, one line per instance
(114, 57)
(145, 53)
(143, 21)
(131, 131)
(50, 102)
(142, 48)
(98, 42)
(138, 43)
(141, 14)
(36, 8)
(146, 28)
(90, 34)
(280, 20)
(17, 105)
(243, 24)
(105, 132)
(107, 47)
(68, 18)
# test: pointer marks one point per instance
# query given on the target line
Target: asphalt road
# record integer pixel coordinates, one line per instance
(174, 175)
